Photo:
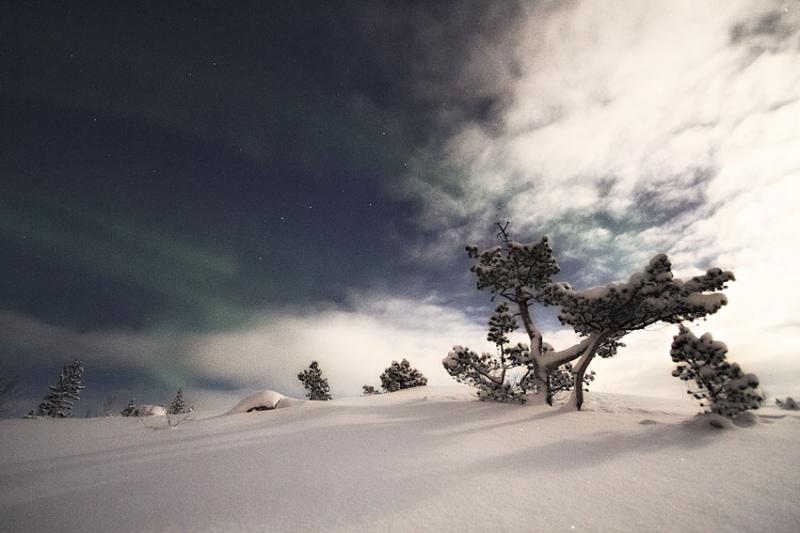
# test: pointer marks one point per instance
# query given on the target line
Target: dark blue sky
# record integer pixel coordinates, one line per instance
(175, 167)
(168, 164)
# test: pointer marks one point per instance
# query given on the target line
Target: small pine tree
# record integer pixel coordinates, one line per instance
(401, 375)
(721, 386)
(131, 409)
(178, 406)
(62, 396)
(316, 386)
(500, 323)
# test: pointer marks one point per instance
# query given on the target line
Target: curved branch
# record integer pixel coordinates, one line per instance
(555, 359)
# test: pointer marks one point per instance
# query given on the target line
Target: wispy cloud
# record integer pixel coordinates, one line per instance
(636, 128)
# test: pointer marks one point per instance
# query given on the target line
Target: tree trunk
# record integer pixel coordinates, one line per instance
(580, 372)
(582, 366)
(530, 328)
(535, 337)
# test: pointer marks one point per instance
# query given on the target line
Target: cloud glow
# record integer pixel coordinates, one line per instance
(637, 128)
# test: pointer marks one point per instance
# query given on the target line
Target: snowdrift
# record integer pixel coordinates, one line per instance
(262, 401)
(150, 410)
(426, 459)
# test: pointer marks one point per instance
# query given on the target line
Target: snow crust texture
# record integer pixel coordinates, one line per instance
(420, 459)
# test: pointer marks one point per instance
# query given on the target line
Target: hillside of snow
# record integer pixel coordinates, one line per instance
(426, 459)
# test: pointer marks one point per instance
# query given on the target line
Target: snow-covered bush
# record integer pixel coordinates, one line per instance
(150, 410)
(369, 390)
(401, 375)
(62, 396)
(316, 386)
(178, 405)
(261, 401)
(131, 409)
(720, 386)
(492, 374)
(788, 403)
(522, 275)
(486, 372)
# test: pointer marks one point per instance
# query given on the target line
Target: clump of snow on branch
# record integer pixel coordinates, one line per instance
(722, 387)
(650, 296)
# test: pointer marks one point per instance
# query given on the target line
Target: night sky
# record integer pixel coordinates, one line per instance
(210, 195)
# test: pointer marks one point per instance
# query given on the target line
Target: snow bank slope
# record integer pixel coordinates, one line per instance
(264, 400)
(417, 460)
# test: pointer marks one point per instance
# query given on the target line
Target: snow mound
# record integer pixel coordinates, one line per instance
(261, 401)
(150, 410)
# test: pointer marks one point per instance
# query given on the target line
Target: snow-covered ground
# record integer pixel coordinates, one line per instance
(426, 459)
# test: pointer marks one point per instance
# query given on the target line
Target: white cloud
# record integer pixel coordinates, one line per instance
(645, 127)
(353, 344)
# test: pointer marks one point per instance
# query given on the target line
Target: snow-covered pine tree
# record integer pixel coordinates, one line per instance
(316, 386)
(522, 275)
(131, 409)
(178, 406)
(62, 396)
(720, 386)
(401, 375)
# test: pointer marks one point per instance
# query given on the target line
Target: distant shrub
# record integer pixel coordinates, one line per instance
(402, 375)
(369, 390)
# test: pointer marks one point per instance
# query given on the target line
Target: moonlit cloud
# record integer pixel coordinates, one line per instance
(636, 128)
(352, 342)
